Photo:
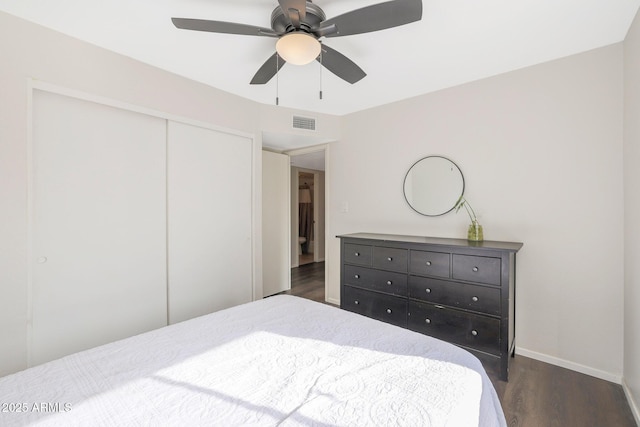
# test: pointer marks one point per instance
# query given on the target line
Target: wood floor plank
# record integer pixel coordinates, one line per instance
(541, 394)
(307, 281)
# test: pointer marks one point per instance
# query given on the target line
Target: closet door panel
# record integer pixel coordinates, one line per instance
(209, 222)
(98, 225)
(276, 223)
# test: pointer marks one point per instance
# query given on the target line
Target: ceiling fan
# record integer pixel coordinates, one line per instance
(299, 24)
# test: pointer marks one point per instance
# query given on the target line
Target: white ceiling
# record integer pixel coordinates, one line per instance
(456, 41)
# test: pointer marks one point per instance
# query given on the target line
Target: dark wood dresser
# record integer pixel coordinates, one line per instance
(452, 289)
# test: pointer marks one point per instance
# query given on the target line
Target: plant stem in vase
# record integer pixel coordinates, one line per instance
(474, 233)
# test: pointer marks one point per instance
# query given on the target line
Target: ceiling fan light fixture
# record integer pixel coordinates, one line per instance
(298, 48)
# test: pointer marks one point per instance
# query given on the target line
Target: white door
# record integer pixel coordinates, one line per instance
(210, 214)
(276, 219)
(98, 225)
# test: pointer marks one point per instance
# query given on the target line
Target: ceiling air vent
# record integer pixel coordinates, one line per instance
(306, 123)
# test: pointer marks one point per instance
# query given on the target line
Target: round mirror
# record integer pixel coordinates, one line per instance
(433, 186)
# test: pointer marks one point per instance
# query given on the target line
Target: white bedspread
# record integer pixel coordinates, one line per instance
(279, 361)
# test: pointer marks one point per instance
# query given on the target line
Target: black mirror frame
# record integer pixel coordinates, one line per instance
(405, 180)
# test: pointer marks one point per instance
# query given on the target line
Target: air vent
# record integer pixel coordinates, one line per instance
(306, 123)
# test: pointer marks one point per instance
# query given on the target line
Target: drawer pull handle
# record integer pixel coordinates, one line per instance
(475, 269)
(428, 290)
(427, 321)
(474, 333)
(357, 276)
(357, 254)
(389, 282)
(388, 311)
(428, 263)
(474, 299)
(356, 302)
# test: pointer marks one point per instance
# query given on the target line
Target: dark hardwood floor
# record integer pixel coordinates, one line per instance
(307, 281)
(538, 394)
(541, 394)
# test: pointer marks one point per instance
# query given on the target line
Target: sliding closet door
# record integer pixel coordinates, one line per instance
(98, 225)
(210, 214)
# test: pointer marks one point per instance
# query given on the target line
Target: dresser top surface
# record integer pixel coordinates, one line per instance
(443, 241)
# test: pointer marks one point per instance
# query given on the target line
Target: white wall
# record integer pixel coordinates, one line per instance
(541, 153)
(319, 217)
(632, 216)
(279, 121)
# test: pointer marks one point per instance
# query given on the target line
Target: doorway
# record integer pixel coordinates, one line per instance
(308, 219)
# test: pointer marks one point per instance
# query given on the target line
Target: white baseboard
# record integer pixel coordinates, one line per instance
(603, 375)
(333, 301)
(632, 403)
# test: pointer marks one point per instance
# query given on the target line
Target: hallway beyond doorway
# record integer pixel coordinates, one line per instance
(307, 281)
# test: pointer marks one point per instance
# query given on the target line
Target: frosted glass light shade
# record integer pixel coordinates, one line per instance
(298, 48)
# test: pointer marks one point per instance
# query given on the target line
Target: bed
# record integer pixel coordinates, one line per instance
(282, 360)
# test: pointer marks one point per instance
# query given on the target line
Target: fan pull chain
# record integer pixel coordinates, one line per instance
(277, 80)
(320, 73)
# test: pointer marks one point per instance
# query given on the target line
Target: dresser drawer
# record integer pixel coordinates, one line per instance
(455, 326)
(378, 306)
(390, 259)
(470, 297)
(476, 269)
(357, 254)
(383, 281)
(429, 263)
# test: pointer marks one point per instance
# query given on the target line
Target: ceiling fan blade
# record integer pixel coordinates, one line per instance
(268, 69)
(222, 27)
(296, 10)
(340, 65)
(374, 18)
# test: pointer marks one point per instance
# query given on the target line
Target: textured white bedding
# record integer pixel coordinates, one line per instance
(278, 361)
